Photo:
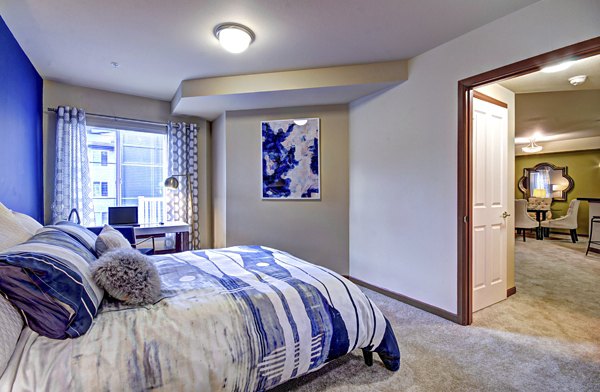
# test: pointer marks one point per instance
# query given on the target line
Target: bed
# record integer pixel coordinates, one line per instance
(244, 318)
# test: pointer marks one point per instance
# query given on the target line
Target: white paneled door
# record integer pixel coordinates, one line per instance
(490, 179)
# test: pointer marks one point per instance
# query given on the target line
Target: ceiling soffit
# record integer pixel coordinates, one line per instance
(329, 85)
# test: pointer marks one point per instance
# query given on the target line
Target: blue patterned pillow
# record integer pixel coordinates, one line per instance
(86, 237)
(48, 278)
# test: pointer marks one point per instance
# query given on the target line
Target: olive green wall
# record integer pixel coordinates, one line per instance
(583, 166)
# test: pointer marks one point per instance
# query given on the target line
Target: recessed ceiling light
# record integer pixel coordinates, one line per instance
(557, 67)
(577, 80)
(234, 37)
(115, 64)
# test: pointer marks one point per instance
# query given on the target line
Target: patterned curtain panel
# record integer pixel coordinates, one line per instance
(182, 203)
(72, 181)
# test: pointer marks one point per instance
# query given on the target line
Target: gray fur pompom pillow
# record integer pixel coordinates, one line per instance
(128, 276)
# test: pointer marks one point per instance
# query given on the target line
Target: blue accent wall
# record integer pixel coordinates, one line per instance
(21, 179)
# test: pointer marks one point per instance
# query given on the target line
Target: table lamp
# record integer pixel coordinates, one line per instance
(539, 192)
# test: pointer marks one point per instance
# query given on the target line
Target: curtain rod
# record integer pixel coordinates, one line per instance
(116, 118)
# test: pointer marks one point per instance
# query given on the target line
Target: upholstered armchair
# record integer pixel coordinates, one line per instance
(539, 203)
(567, 222)
(522, 220)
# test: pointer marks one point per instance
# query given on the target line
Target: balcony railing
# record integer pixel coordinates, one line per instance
(151, 209)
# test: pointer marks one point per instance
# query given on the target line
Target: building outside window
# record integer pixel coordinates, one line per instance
(128, 168)
(104, 188)
(97, 189)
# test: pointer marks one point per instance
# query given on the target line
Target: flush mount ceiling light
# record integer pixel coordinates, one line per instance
(577, 80)
(557, 67)
(234, 37)
(532, 147)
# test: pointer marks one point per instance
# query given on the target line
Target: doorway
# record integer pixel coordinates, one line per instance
(465, 157)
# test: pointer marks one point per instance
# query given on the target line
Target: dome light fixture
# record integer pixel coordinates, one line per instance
(577, 80)
(234, 37)
(532, 147)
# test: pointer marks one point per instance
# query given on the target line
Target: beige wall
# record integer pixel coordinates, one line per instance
(315, 230)
(403, 150)
(121, 105)
(219, 164)
(508, 97)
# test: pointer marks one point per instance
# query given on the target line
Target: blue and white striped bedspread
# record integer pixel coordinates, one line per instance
(235, 319)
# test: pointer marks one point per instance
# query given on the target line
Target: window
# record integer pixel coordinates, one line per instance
(97, 189)
(104, 187)
(100, 189)
(128, 168)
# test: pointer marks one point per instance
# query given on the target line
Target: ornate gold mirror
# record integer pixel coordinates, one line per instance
(546, 180)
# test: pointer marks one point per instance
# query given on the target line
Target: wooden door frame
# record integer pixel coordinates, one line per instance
(580, 50)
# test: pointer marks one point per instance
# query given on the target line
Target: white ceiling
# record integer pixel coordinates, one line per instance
(554, 112)
(160, 43)
(557, 115)
(558, 81)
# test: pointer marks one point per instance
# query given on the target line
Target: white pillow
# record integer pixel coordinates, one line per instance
(109, 239)
(11, 324)
(28, 223)
(11, 231)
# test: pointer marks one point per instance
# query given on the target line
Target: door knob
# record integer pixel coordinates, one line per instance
(505, 215)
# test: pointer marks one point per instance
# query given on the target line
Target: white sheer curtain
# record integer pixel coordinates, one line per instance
(72, 181)
(182, 203)
(542, 181)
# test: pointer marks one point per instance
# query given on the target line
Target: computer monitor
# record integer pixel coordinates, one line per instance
(126, 216)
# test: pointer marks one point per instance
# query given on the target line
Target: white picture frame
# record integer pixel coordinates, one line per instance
(290, 155)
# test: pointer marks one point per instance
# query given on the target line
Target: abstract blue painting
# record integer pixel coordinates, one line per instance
(290, 159)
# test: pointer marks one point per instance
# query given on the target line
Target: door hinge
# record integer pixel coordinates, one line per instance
(466, 219)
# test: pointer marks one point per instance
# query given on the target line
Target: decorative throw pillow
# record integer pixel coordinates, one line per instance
(80, 233)
(11, 324)
(27, 222)
(110, 239)
(48, 278)
(11, 231)
(128, 276)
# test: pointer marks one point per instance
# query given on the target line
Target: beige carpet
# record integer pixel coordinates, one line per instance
(544, 338)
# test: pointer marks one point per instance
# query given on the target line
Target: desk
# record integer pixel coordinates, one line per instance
(156, 230)
(540, 215)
